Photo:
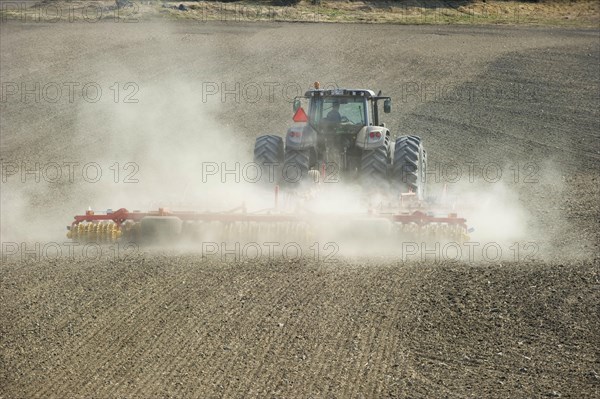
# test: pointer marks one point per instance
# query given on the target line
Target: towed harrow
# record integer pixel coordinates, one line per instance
(274, 224)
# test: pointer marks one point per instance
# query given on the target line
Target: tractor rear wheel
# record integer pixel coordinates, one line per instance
(409, 166)
(268, 154)
(373, 168)
(296, 166)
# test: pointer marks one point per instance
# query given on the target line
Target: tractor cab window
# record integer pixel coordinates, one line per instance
(340, 110)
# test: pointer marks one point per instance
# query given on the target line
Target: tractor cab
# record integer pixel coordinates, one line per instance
(342, 111)
(339, 114)
(337, 126)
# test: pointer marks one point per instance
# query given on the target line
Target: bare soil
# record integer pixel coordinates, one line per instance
(180, 326)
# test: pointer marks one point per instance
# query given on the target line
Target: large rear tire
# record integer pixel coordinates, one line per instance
(374, 168)
(409, 166)
(296, 166)
(268, 154)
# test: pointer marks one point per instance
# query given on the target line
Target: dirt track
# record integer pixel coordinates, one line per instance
(165, 325)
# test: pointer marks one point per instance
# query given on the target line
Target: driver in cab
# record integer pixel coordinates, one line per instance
(334, 115)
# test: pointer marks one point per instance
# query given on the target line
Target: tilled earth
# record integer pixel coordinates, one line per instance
(161, 324)
(179, 326)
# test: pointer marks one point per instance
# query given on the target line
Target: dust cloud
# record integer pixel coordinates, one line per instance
(169, 148)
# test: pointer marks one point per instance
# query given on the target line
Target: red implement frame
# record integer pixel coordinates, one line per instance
(122, 215)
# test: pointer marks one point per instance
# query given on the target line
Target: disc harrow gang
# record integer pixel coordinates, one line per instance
(271, 225)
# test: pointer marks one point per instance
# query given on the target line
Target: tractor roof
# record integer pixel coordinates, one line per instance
(340, 92)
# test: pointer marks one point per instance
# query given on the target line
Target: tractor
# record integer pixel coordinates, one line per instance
(340, 135)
